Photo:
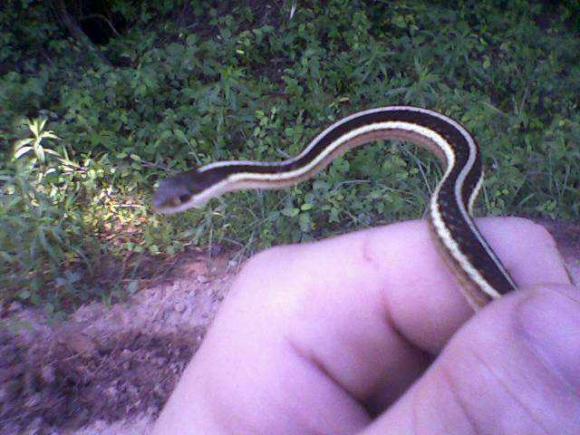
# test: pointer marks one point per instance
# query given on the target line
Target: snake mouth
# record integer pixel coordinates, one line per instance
(188, 189)
(170, 194)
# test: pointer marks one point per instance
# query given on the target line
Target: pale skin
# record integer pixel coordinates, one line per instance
(368, 333)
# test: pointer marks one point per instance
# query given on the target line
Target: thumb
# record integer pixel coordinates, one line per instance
(513, 369)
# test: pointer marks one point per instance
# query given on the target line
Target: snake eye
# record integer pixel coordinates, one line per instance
(184, 198)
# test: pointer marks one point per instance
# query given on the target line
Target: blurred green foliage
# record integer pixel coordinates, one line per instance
(83, 144)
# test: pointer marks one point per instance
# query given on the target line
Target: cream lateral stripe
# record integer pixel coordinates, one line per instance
(458, 188)
(440, 226)
(454, 250)
(442, 230)
(475, 194)
(337, 124)
(458, 195)
(382, 126)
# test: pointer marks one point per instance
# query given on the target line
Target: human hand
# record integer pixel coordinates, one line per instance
(368, 332)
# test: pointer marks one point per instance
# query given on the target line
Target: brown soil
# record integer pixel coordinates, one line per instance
(107, 369)
(111, 369)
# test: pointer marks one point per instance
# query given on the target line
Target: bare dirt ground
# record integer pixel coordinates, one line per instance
(109, 370)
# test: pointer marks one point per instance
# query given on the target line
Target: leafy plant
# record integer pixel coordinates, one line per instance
(195, 82)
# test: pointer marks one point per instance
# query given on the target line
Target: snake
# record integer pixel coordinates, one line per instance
(469, 256)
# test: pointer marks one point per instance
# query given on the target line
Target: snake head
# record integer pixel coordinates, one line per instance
(176, 193)
(191, 189)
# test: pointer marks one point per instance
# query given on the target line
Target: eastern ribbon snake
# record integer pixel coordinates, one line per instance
(481, 274)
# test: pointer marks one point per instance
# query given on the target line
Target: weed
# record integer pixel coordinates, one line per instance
(194, 82)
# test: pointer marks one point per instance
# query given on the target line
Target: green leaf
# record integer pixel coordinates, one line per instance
(21, 151)
(181, 136)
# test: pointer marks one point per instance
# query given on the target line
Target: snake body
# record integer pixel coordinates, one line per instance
(482, 275)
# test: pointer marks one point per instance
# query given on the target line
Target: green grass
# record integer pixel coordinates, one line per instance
(205, 84)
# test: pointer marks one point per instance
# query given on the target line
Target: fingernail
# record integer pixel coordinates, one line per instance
(550, 321)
